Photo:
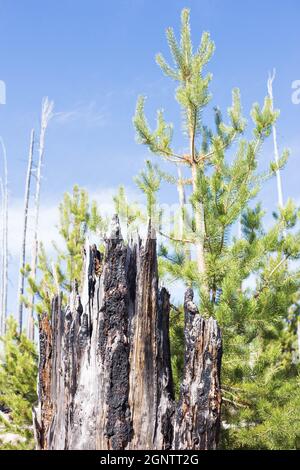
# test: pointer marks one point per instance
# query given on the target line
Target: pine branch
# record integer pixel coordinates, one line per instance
(266, 283)
(233, 403)
(176, 240)
(207, 156)
(176, 309)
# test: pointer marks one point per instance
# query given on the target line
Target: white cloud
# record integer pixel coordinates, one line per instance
(47, 229)
(86, 113)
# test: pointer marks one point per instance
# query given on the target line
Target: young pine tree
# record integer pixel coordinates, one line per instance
(18, 372)
(250, 284)
(130, 214)
(78, 219)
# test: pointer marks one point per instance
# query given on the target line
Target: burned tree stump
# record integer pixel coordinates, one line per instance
(198, 412)
(105, 377)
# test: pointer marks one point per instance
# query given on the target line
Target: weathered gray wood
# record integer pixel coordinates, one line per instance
(197, 420)
(46, 115)
(24, 233)
(105, 378)
(150, 377)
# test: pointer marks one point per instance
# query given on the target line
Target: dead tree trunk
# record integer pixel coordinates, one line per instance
(46, 115)
(105, 378)
(24, 236)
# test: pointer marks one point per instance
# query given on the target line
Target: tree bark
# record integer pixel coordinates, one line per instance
(183, 214)
(105, 378)
(200, 229)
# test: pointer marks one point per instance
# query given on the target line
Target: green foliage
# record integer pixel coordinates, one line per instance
(281, 162)
(159, 140)
(192, 93)
(264, 118)
(259, 334)
(250, 284)
(148, 181)
(177, 347)
(18, 372)
(129, 214)
(78, 218)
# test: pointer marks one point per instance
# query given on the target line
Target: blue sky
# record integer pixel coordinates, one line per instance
(93, 58)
